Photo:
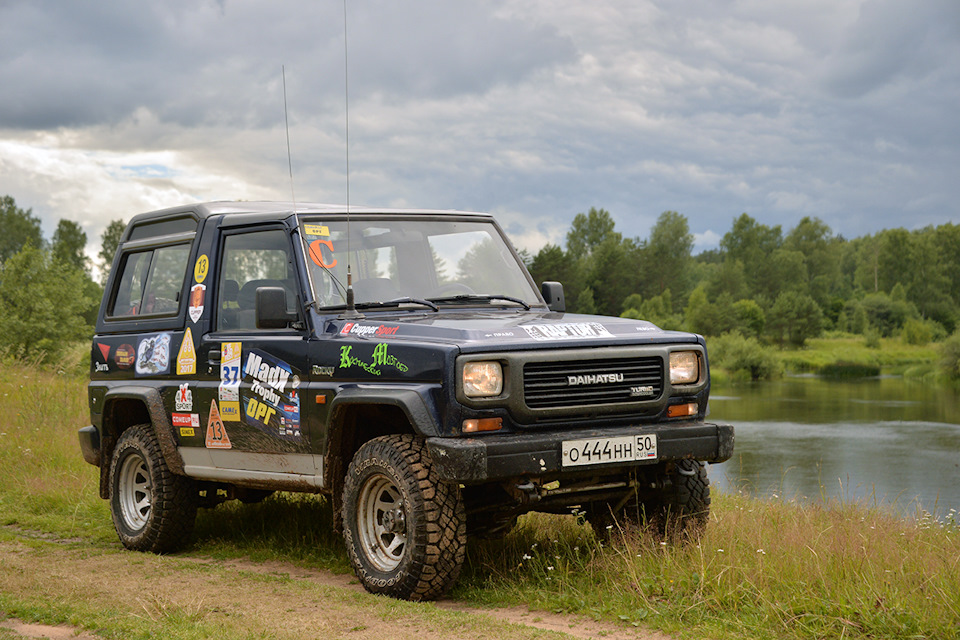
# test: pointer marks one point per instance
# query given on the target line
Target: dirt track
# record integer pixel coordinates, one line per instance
(275, 599)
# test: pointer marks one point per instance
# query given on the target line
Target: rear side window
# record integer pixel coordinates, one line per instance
(150, 282)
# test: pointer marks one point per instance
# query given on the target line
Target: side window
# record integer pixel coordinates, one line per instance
(150, 282)
(249, 261)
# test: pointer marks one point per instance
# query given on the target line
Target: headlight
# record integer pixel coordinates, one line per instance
(482, 379)
(684, 367)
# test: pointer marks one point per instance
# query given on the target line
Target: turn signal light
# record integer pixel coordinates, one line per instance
(482, 424)
(682, 410)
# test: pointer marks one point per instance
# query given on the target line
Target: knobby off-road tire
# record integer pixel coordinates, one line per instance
(153, 509)
(404, 529)
(678, 511)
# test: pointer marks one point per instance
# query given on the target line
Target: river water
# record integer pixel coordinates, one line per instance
(887, 441)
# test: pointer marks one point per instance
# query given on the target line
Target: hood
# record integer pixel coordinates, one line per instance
(479, 330)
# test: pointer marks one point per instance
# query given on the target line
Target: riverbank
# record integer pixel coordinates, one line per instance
(771, 568)
(737, 359)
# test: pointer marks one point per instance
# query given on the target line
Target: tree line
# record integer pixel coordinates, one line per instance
(48, 296)
(782, 288)
(764, 284)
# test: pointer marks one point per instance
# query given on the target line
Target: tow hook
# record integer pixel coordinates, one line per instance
(528, 492)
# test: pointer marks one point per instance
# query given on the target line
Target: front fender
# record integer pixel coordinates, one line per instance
(411, 401)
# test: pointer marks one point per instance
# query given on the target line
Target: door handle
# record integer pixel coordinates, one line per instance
(213, 355)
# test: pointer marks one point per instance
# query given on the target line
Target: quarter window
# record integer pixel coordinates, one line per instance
(151, 281)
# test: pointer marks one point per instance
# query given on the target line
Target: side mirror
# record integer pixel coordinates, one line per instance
(272, 308)
(552, 292)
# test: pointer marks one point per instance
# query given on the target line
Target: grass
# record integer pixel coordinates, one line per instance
(892, 357)
(770, 568)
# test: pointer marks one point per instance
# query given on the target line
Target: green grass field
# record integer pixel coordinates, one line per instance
(763, 569)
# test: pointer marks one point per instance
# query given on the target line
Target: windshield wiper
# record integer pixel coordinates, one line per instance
(396, 302)
(472, 297)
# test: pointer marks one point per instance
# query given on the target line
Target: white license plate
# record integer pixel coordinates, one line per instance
(604, 450)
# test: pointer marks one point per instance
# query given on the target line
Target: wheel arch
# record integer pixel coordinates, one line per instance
(125, 407)
(358, 415)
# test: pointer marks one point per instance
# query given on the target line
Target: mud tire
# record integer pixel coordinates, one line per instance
(153, 509)
(404, 529)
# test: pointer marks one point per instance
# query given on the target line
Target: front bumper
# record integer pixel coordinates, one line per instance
(499, 457)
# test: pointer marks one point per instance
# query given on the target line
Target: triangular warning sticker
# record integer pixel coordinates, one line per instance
(217, 437)
(187, 358)
(105, 350)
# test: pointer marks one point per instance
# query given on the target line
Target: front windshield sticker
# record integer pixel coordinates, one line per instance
(316, 253)
(355, 329)
(568, 331)
(379, 358)
(270, 399)
(153, 355)
(316, 230)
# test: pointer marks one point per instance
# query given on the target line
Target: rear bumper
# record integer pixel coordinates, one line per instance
(499, 457)
(90, 444)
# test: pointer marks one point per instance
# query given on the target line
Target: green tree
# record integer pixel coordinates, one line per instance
(585, 303)
(750, 317)
(69, 242)
(588, 231)
(667, 255)
(109, 241)
(794, 318)
(752, 244)
(43, 303)
(20, 228)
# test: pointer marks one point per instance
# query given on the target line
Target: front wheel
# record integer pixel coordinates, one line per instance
(152, 508)
(404, 528)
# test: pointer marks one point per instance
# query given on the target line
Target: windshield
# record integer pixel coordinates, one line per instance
(422, 258)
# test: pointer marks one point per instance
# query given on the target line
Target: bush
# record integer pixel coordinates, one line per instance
(745, 357)
(920, 331)
(950, 357)
(42, 306)
(849, 370)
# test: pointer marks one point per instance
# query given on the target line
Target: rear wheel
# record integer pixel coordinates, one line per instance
(152, 508)
(404, 529)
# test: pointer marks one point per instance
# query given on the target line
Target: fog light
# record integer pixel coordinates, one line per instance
(482, 424)
(682, 410)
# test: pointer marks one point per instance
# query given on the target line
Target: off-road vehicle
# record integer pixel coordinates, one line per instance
(435, 396)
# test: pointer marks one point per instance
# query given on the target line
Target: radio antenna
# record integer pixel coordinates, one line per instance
(351, 310)
(286, 123)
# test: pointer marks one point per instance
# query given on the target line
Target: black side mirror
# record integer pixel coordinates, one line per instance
(552, 292)
(272, 308)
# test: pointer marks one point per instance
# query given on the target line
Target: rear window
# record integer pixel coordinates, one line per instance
(150, 282)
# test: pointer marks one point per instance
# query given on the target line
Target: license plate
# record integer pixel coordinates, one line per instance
(587, 451)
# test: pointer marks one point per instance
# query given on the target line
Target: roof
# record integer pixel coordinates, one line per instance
(207, 209)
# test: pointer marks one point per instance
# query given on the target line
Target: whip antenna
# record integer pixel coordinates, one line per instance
(351, 311)
(286, 123)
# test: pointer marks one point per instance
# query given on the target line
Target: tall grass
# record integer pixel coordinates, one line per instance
(763, 568)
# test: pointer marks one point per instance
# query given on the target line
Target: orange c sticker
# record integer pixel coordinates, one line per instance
(316, 254)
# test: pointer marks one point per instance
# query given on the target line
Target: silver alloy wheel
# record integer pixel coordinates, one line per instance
(135, 492)
(382, 523)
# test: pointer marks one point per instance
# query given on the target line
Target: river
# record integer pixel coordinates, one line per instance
(887, 441)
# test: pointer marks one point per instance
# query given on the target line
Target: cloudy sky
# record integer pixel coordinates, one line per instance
(535, 110)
